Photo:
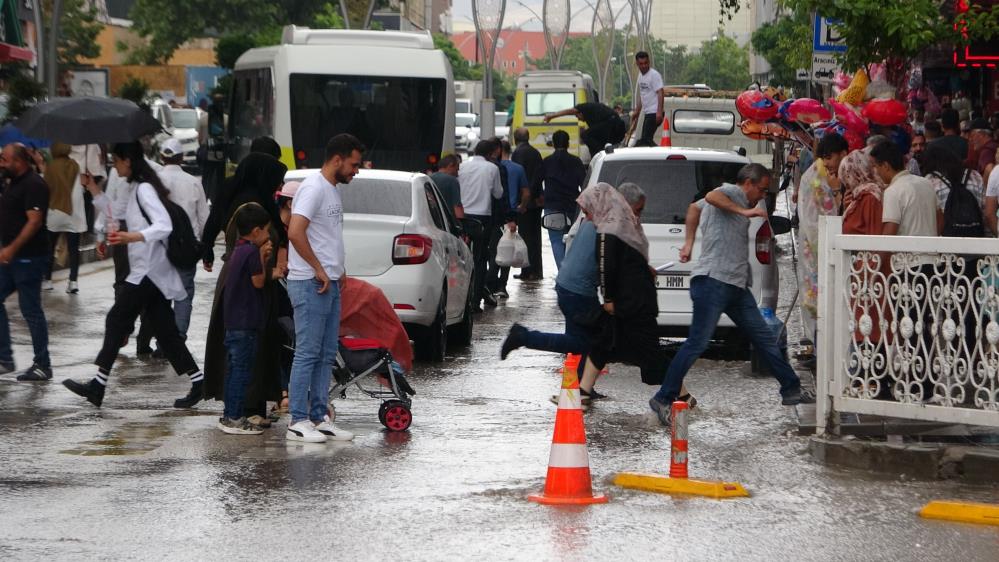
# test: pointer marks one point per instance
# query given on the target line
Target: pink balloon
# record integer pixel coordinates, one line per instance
(808, 111)
(885, 112)
(850, 117)
(755, 105)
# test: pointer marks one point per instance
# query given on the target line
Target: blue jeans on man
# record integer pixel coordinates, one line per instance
(574, 340)
(25, 275)
(182, 308)
(317, 330)
(712, 298)
(557, 237)
(241, 346)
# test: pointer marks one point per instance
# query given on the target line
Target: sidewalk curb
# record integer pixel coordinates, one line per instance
(971, 464)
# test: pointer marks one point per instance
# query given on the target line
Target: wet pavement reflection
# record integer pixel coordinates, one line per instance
(139, 480)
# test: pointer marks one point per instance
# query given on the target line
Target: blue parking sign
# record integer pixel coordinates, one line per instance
(825, 38)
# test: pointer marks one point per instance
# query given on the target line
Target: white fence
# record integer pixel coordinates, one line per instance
(908, 327)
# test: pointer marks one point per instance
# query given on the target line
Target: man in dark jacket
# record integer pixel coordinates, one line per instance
(603, 126)
(529, 210)
(563, 177)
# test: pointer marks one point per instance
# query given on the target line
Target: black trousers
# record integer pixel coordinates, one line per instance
(496, 276)
(130, 301)
(529, 227)
(480, 255)
(599, 135)
(648, 130)
(73, 249)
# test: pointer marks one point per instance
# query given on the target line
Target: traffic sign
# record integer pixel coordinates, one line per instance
(825, 38)
(801, 74)
(824, 68)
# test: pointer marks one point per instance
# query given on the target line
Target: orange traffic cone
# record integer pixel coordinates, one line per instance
(665, 140)
(568, 480)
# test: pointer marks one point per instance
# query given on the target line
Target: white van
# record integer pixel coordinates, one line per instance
(393, 90)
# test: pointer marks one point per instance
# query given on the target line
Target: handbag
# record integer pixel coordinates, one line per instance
(555, 221)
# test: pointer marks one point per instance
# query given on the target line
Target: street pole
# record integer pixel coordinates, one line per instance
(53, 58)
(39, 42)
(488, 18)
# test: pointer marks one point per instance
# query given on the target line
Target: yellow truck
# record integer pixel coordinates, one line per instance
(548, 91)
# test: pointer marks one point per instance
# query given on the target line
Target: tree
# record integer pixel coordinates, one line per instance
(134, 89)
(787, 45)
(78, 31)
(721, 63)
(22, 89)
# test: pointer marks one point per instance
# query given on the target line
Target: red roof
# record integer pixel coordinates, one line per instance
(512, 52)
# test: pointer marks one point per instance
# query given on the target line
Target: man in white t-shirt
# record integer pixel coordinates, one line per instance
(992, 200)
(909, 205)
(315, 269)
(649, 105)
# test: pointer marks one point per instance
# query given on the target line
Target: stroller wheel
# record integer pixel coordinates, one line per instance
(395, 415)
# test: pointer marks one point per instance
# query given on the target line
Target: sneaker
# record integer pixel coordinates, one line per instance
(72, 288)
(36, 373)
(489, 299)
(47, 285)
(242, 426)
(304, 431)
(6, 367)
(514, 339)
(690, 400)
(158, 354)
(502, 294)
(93, 391)
(142, 349)
(592, 394)
(259, 421)
(476, 310)
(194, 396)
(662, 411)
(798, 397)
(332, 432)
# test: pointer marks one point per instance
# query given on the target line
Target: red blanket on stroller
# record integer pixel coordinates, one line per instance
(365, 312)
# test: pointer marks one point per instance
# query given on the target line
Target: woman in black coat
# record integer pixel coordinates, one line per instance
(258, 177)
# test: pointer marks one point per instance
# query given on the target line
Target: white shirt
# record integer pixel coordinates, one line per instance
(480, 184)
(114, 200)
(911, 203)
(319, 201)
(88, 158)
(186, 191)
(149, 259)
(649, 85)
(993, 188)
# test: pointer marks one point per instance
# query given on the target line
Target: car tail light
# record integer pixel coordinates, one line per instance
(411, 249)
(764, 236)
(676, 157)
(300, 155)
(400, 306)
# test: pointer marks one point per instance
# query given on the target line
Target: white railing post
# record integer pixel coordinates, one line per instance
(825, 360)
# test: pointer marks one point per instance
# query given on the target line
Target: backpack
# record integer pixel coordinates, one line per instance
(183, 248)
(962, 213)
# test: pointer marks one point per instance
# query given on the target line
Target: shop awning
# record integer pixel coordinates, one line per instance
(11, 53)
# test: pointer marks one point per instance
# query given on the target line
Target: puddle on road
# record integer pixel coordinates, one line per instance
(134, 438)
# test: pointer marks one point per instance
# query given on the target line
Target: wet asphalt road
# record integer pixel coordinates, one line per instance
(139, 480)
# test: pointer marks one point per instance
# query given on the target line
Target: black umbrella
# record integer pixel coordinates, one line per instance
(87, 120)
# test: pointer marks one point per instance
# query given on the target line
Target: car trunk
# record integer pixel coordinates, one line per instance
(368, 242)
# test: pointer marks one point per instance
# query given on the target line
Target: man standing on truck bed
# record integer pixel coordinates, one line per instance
(603, 126)
(649, 102)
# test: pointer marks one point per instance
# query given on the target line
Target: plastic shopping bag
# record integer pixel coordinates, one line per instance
(505, 249)
(520, 258)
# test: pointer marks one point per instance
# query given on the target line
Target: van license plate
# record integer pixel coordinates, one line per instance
(673, 282)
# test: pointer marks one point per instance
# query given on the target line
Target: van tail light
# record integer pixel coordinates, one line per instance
(410, 249)
(764, 237)
(676, 157)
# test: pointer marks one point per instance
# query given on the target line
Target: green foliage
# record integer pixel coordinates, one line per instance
(721, 64)
(787, 45)
(897, 30)
(22, 90)
(329, 17)
(78, 31)
(134, 89)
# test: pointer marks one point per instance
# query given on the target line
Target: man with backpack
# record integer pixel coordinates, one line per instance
(960, 193)
(186, 191)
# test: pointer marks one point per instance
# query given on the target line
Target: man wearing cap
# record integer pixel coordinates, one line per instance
(186, 191)
(983, 148)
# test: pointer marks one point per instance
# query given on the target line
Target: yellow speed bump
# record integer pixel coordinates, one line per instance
(982, 513)
(666, 485)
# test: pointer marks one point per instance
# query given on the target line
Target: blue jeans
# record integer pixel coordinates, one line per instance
(712, 298)
(317, 330)
(574, 340)
(241, 345)
(25, 275)
(182, 308)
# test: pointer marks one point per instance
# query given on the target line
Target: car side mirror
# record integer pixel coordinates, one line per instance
(780, 225)
(740, 150)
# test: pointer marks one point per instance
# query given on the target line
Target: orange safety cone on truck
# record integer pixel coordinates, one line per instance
(568, 481)
(665, 140)
(677, 481)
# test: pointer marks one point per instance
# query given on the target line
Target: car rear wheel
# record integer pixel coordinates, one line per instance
(432, 341)
(462, 331)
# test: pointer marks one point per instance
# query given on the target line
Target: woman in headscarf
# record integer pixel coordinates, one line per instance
(67, 216)
(627, 331)
(258, 177)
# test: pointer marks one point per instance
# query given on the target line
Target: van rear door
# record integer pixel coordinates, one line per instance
(671, 184)
(530, 110)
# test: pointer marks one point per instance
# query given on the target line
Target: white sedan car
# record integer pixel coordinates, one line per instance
(400, 237)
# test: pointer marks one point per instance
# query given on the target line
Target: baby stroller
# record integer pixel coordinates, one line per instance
(359, 358)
